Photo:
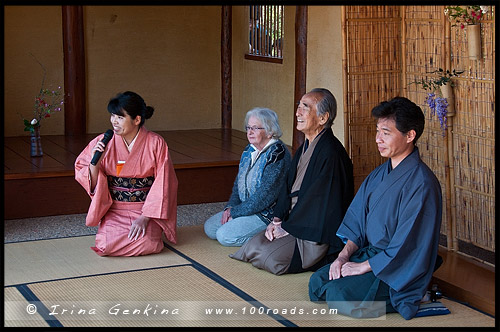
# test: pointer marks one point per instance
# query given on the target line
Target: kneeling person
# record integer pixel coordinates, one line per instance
(133, 186)
(263, 165)
(391, 228)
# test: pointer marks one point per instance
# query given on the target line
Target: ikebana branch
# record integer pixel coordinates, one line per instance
(43, 67)
(46, 102)
(438, 104)
(443, 79)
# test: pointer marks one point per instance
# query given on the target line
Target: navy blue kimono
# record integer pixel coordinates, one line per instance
(398, 213)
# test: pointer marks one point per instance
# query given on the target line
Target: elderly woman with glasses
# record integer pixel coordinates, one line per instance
(262, 169)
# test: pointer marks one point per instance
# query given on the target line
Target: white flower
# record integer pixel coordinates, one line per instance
(446, 11)
(484, 9)
(34, 122)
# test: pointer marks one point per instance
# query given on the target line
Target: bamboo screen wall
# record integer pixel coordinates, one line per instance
(424, 51)
(372, 67)
(474, 139)
(378, 69)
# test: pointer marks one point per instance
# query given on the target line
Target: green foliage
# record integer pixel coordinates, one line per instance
(443, 78)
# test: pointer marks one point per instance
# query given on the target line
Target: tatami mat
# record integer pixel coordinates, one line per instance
(168, 297)
(33, 261)
(193, 276)
(15, 311)
(272, 290)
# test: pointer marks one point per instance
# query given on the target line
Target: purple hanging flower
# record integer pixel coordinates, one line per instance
(438, 107)
(431, 102)
(441, 112)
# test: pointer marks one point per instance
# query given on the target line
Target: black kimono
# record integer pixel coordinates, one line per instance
(325, 193)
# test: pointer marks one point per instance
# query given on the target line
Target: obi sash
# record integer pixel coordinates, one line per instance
(129, 189)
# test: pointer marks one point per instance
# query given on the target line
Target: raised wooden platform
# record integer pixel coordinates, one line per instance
(467, 280)
(205, 161)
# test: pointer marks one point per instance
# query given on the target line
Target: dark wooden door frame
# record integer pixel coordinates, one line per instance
(300, 69)
(75, 112)
(226, 74)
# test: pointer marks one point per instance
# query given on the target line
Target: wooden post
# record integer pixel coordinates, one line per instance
(75, 110)
(345, 80)
(300, 68)
(226, 79)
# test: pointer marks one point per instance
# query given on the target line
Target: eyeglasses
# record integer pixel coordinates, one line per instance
(253, 128)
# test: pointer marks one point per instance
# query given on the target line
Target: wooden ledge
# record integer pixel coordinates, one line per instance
(467, 280)
(71, 173)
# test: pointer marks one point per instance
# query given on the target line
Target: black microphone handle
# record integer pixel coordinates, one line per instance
(97, 155)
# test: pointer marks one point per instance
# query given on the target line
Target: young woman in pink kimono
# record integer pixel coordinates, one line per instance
(133, 186)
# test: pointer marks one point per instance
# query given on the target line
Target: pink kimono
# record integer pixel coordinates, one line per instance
(145, 184)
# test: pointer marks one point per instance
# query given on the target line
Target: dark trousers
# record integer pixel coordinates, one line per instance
(360, 296)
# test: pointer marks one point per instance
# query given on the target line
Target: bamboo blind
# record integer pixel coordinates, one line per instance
(372, 70)
(387, 48)
(425, 51)
(266, 31)
(474, 137)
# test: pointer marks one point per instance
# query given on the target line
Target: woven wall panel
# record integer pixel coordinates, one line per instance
(375, 71)
(474, 137)
(373, 75)
(424, 53)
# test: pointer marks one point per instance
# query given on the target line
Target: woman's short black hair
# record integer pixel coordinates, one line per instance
(131, 103)
(404, 112)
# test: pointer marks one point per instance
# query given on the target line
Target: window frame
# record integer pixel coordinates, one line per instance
(271, 22)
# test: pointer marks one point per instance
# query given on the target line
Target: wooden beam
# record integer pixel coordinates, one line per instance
(75, 111)
(300, 68)
(345, 80)
(226, 78)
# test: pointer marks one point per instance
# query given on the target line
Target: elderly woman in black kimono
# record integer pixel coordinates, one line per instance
(313, 200)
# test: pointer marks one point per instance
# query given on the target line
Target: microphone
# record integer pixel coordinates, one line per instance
(97, 155)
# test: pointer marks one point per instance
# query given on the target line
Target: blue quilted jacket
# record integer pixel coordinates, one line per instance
(256, 186)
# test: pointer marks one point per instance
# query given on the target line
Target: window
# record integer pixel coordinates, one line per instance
(265, 37)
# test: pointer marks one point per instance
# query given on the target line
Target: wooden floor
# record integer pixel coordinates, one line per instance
(206, 163)
(467, 280)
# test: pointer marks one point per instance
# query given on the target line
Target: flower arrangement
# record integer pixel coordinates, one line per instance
(439, 107)
(436, 102)
(47, 101)
(443, 79)
(467, 15)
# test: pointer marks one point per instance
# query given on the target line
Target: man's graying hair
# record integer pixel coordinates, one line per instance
(327, 104)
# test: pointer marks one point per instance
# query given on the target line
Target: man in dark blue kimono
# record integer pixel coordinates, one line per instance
(391, 229)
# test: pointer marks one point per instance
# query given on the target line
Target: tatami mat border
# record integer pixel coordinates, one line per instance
(98, 274)
(232, 288)
(41, 308)
(49, 238)
(44, 311)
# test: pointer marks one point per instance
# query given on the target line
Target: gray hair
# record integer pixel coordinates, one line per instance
(268, 118)
(327, 104)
